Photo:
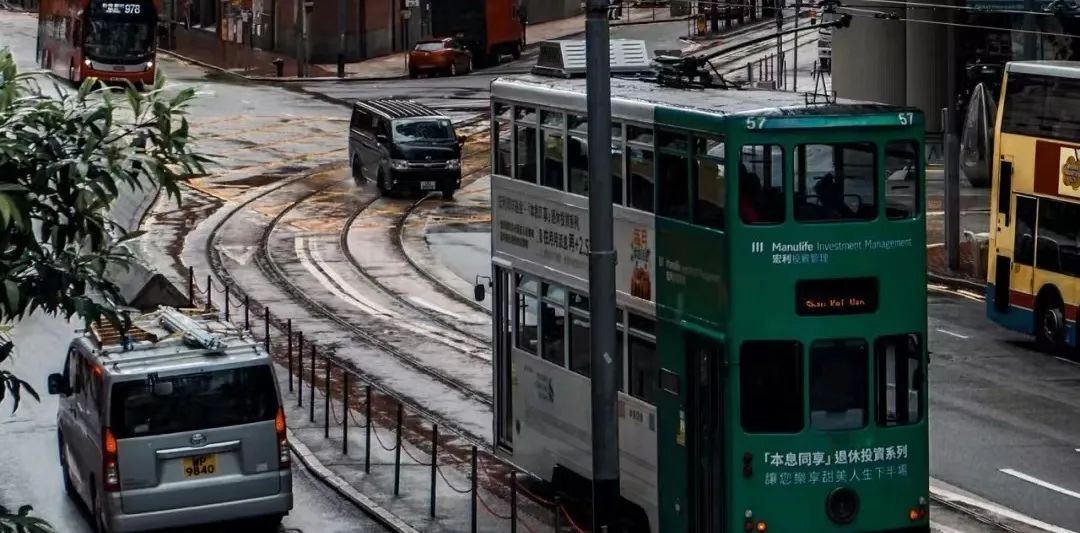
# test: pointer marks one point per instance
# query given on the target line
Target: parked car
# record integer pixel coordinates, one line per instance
(439, 56)
(178, 422)
(402, 145)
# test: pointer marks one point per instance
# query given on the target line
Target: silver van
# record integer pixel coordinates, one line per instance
(176, 423)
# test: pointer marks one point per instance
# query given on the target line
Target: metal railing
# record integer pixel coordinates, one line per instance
(351, 402)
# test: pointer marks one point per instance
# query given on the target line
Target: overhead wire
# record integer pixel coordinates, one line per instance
(854, 12)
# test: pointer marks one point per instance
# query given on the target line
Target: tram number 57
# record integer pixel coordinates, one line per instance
(906, 119)
(755, 123)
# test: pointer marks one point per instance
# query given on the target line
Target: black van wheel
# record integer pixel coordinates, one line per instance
(448, 194)
(357, 171)
(97, 513)
(381, 184)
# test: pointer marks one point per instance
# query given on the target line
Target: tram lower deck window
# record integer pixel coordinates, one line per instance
(899, 380)
(838, 384)
(771, 386)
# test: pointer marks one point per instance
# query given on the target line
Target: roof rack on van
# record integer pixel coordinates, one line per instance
(399, 108)
(191, 331)
(106, 333)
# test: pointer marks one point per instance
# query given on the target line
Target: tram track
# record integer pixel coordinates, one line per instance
(269, 268)
(399, 223)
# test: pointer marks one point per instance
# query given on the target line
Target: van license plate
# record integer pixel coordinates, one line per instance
(427, 185)
(200, 465)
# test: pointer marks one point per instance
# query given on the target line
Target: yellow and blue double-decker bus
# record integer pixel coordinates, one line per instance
(771, 301)
(1034, 259)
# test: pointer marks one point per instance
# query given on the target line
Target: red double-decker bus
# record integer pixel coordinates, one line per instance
(112, 40)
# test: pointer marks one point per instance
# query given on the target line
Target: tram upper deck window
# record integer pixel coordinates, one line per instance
(761, 184)
(901, 179)
(526, 336)
(771, 386)
(710, 195)
(835, 182)
(899, 380)
(673, 191)
(838, 384)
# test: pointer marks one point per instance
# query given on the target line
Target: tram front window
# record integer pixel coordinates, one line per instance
(838, 384)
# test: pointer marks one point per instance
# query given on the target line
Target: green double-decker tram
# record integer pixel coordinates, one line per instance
(772, 304)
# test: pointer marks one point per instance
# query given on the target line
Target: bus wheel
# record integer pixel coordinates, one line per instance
(1050, 323)
(516, 53)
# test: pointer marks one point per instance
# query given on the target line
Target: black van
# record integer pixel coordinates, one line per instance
(404, 146)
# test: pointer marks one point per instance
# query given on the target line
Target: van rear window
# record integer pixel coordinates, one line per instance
(191, 402)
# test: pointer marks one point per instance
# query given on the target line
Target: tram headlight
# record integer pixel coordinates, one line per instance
(841, 505)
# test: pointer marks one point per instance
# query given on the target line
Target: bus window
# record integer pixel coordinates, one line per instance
(1024, 246)
(553, 325)
(577, 160)
(771, 386)
(504, 140)
(838, 387)
(761, 184)
(552, 163)
(835, 182)
(639, 163)
(1058, 240)
(525, 334)
(1042, 106)
(901, 179)
(711, 191)
(673, 194)
(526, 154)
(899, 380)
(642, 359)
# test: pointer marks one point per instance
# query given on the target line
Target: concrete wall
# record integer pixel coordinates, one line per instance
(545, 10)
(869, 60)
(926, 72)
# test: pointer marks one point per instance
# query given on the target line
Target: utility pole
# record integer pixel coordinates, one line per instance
(298, 33)
(795, 51)
(341, 38)
(952, 152)
(780, 43)
(1031, 26)
(605, 361)
(308, 5)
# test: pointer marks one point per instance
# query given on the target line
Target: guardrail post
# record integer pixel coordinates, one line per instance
(300, 371)
(750, 71)
(247, 314)
(474, 495)
(513, 501)
(191, 285)
(434, 463)
(326, 401)
(288, 333)
(397, 453)
(367, 443)
(345, 419)
(266, 327)
(311, 401)
(209, 293)
(226, 303)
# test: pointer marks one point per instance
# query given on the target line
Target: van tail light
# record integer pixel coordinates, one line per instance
(283, 442)
(110, 462)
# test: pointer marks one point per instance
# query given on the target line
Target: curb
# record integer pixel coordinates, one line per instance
(954, 282)
(340, 486)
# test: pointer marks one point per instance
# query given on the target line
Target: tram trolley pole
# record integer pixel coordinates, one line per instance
(605, 435)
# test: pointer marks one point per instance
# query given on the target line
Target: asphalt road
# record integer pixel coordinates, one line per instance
(31, 473)
(465, 96)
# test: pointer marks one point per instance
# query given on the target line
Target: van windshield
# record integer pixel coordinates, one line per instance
(423, 130)
(191, 402)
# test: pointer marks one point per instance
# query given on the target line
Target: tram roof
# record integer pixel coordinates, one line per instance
(633, 98)
(1059, 69)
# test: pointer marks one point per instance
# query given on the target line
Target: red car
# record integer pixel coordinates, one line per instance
(441, 56)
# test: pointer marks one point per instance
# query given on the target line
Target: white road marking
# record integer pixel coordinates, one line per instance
(1071, 362)
(940, 492)
(1039, 482)
(939, 528)
(342, 289)
(957, 335)
(314, 271)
